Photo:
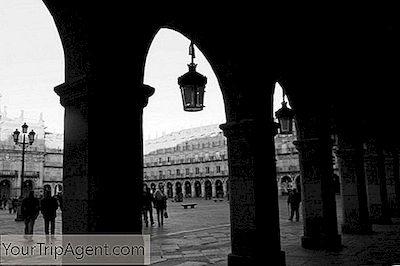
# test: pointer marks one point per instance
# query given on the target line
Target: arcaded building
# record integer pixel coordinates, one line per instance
(194, 162)
(42, 160)
(339, 72)
(191, 163)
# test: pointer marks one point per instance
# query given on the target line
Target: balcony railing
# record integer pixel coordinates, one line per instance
(31, 174)
(8, 173)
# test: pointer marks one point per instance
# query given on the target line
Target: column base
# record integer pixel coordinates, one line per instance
(364, 229)
(328, 243)
(237, 260)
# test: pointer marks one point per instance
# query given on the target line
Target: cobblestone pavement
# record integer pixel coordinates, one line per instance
(201, 236)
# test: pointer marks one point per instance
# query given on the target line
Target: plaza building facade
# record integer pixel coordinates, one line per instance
(194, 163)
(43, 160)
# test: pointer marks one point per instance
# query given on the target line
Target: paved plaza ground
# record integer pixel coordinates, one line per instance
(201, 236)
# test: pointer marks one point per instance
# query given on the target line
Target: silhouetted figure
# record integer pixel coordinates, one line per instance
(14, 204)
(147, 206)
(160, 203)
(10, 205)
(294, 200)
(49, 206)
(30, 212)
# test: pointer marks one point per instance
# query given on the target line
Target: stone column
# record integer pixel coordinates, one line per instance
(396, 177)
(353, 187)
(193, 188)
(90, 166)
(213, 189)
(203, 189)
(173, 190)
(318, 195)
(376, 184)
(253, 190)
(224, 187)
(390, 182)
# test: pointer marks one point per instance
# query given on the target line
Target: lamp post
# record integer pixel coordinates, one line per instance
(31, 139)
(285, 117)
(192, 86)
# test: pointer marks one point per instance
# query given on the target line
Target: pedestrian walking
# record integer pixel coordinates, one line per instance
(147, 206)
(293, 201)
(14, 204)
(160, 203)
(30, 212)
(10, 205)
(49, 206)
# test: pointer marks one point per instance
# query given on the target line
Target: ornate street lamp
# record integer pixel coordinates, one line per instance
(31, 139)
(285, 117)
(192, 86)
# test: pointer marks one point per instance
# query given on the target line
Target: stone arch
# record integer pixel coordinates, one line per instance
(188, 189)
(207, 189)
(58, 189)
(197, 189)
(219, 190)
(46, 188)
(170, 191)
(178, 191)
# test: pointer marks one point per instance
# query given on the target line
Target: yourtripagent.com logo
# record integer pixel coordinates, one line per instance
(75, 249)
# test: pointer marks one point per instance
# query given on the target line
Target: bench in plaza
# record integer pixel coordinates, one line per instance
(191, 205)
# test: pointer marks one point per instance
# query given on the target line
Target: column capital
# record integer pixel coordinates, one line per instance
(74, 91)
(246, 126)
(145, 91)
(346, 153)
(311, 143)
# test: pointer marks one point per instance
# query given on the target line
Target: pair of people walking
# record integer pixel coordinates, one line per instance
(159, 201)
(293, 201)
(30, 208)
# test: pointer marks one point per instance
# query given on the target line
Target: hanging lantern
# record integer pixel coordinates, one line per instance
(192, 85)
(285, 117)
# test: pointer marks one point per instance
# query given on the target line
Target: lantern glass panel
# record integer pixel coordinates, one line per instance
(16, 136)
(31, 137)
(24, 128)
(286, 125)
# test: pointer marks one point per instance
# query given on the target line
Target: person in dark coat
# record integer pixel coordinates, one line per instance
(49, 206)
(293, 201)
(30, 212)
(147, 206)
(160, 203)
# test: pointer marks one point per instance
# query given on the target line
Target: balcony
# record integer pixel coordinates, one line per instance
(8, 173)
(31, 174)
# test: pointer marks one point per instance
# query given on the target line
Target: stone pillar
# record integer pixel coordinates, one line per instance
(376, 184)
(390, 182)
(184, 189)
(396, 177)
(318, 195)
(213, 189)
(90, 166)
(173, 190)
(193, 188)
(353, 187)
(253, 190)
(203, 189)
(224, 187)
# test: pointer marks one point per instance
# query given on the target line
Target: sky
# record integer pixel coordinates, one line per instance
(32, 64)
